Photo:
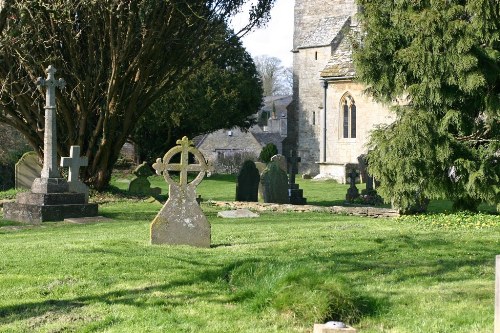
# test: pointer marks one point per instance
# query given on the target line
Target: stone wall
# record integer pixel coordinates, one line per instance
(309, 94)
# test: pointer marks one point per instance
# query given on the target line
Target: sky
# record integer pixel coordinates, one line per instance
(276, 38)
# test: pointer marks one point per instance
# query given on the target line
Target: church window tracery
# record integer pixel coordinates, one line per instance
(348, 114)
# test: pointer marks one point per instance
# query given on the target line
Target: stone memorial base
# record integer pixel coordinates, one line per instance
(296, 195)
(35, 207)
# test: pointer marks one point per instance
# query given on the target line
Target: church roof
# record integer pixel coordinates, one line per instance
(327, 29)
(341, 63)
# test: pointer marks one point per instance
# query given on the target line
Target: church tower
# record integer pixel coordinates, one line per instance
(317, 23)
(330, 117)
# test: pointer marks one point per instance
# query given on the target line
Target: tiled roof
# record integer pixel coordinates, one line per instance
(326, 30)
(341, 63)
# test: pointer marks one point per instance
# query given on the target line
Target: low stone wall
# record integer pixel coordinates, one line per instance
(260, 206)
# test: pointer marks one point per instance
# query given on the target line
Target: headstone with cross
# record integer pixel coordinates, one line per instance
(352, 191)
(181, 220)
(295, 194)
(73, 163)
(50, 180)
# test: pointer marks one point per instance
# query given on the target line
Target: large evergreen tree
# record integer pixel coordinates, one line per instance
(222, 92)
(117, 57)
(440, 61)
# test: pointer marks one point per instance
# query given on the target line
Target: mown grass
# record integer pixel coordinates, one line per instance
(277, 273)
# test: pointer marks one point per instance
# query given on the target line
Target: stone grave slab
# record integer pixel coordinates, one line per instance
(27, 169)
(87, 220)
(236, 214)
(181, 220)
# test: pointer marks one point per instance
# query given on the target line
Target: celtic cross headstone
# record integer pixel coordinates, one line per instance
(181, 220)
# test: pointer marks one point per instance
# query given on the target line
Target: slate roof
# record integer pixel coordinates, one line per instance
(280, 103)
(327, 29)
(265, 137)
(341, 63)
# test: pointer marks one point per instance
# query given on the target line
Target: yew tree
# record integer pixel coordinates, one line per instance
(117, 57)
(439, 62)
(223, 92)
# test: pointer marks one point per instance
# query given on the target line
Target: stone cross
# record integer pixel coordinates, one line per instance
(184, 148)
(294, 166)
(74, 162)
(181, 220)
(49, 169)
(352, 177)
(497, 295)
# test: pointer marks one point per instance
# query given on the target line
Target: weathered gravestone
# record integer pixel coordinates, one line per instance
(352, 192)
(497, 295)
(49, 199)
(27, 169)
(247, 186)
(140, 184)
(280, 160)
(73, 163)
(295, 194)
(181, 220)
(274, 184)
(261, 167)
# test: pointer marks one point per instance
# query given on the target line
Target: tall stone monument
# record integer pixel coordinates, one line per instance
(50, 198)
(181, 220)
(295, 194)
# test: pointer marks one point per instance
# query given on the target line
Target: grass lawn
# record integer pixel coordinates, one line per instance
(277, 273)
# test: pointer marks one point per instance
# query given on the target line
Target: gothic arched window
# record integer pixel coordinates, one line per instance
(348, 114)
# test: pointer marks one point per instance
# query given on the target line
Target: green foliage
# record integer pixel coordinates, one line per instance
(441, 61)
(118, 58)
(267, 152)
(291, 291)
(223, 92)
(461, 220)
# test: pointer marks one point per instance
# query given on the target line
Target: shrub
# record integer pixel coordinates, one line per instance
(267, 152)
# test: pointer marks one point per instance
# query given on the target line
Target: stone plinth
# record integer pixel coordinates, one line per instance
(497, 295)
(296, 195)
(36, 214)
(323, 328)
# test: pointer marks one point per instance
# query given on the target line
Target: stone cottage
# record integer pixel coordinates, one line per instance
(227, 144)
(330, 116)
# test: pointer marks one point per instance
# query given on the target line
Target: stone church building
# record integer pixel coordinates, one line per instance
(330, 117)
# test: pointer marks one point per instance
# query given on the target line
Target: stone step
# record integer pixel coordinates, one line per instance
(36, 214)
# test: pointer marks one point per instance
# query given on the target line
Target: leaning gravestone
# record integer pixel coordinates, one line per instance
(181, 220)
(274, 184)
(27, 169)
(247, 186)
(140, 184)
(50, 198)
(261, 167)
